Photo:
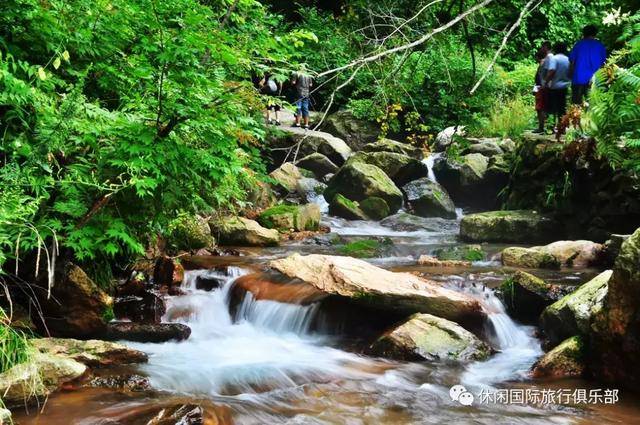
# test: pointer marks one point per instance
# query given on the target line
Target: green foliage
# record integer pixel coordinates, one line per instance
(115, 116)
(14, 345)
(366, 248)
(508, 117)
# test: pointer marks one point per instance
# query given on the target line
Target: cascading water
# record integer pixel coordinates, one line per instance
(429, 162)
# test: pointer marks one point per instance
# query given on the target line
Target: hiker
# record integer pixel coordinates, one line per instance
(586, 57)
(302, 82)
(543, 56)
(271, 88)
(556, 82)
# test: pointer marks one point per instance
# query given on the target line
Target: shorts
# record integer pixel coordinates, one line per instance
(556, 102)
(541, 97)
(579, 92)
(272, 104)
(302, 107)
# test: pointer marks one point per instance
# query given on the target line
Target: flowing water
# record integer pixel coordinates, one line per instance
(268, 362)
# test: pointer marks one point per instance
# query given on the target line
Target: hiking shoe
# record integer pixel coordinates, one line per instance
(276, 123)
(306, 127)
(295, 124)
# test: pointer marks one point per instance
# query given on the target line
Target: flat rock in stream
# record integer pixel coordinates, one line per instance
(147, 332)
(93, 352)
(366, 284)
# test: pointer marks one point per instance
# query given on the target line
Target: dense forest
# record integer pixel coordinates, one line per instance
(129, 125)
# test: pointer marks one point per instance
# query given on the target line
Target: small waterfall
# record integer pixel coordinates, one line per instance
(429, 162)
(519, 349)
(275, 316)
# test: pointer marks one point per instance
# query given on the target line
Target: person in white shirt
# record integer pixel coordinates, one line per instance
(557, 82)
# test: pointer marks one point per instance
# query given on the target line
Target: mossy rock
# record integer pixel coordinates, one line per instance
(399, 167)
(375, 208)
(433, 338)
(516, 226)
(366, 248)
(357, 181)
(567, 360)
(291, 217)
(460, 253)
(428, 199)
(354, 131)
(241, 231)
(529, 258)
(286, 176)
(525, 296)
(388, 145)
(572, 314)
(190, 233)
(346, 208)
(319, 164)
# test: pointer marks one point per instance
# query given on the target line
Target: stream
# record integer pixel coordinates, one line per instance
(266, 362)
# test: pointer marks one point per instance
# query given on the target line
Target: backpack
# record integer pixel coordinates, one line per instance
(272, 87)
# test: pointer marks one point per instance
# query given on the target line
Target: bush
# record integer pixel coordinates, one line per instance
(508, 118)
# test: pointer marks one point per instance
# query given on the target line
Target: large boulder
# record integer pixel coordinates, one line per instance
(189, 233)
(572, 314)
(287, 176)
(366, 284)
(146, 307)
(525, 296)
(375, 208)
(428, 199)
(358, 181)
(355, 132)
(424, 336)
(318, 164)
(76, 308)
(528, 257)
(309, 190)
(388, 145)
(291, 217)
(446, 137)
(567, 360)
(486, 147)
(346, 208)
(615, 340)
(399, 167)
(404, 222)
(242, 231)
(517, 226)
(292, 141)
(35, 379)
(147, 332)
(93, 352)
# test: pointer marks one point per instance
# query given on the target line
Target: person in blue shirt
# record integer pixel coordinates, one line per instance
(586, 57)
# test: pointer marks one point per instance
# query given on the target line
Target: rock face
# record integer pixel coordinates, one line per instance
(388, 145)
(428, 337)
(358, 181)
(291, 217)
(529, 257)
(517, 226)
(378, 288)
(399, 167)
(37, 378)
(143, 332)
(287, 176)
(346, 208)
(93, 352)
(243, 232)
(525, 296)
(615, 341)
(77, 307)
(188, 233)
(429, 199)
(318, 164)
(567, 360)
(355, 132)
(572, 314)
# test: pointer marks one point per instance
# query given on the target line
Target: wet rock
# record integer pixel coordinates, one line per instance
(375, 208)
(145, 308)
(37, 378)
(77, 306)
(355, 132)
(291, 217)
(429, 261)
(93, 353)
(615, 338)
(572, 314)
(567, 360)
(146, 332)
(275, 287)
(611, 249)
(428, 337)
(243, 232)
(525, 296)
(287, 176)
(404, 222)
(346, 208)
(445, 137)
(367, 248)
(364, 283)
(517, 226)
(209, 282)
(190, 233)
(388, 145)
(121, 382)
(318, 164)
(308, 189)
(166, 272)
(429, 199)
(358, 181)
(460, 252)
(167, 413)
(400, 168)
(529, 257)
